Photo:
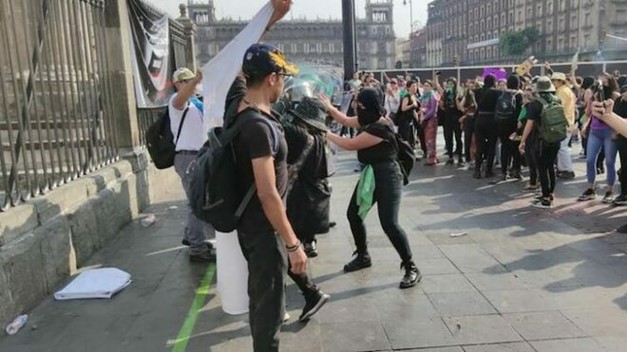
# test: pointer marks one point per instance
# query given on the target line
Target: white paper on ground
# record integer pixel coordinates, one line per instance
(220, 72)
(458, 234)
(95, 283)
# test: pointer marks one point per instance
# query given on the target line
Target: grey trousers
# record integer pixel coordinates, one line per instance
(196, 231)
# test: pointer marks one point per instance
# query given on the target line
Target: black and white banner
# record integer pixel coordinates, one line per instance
(153, 61)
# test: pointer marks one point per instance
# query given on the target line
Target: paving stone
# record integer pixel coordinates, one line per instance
(446, 283)
(494, 282)
(543, 325)
(501, 347)
(512, 301)
(460, 303)
(571, 345)
(418, 332)
(481, 329)
(441, 349)
(435, 266)
(353, 336)
(610, 322)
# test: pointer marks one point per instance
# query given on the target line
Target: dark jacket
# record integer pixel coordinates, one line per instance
(308, 203)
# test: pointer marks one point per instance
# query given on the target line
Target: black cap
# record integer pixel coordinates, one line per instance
(264, 59)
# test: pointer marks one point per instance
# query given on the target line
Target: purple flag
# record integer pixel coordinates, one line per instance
(496, 72)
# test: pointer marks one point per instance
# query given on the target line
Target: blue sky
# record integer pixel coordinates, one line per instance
(310, 8)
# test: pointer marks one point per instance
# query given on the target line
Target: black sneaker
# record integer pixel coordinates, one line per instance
(361, 261)
(489, 174)
(541, 196)
(313, 302)
(412, 275)
(311, 249)
(477, 175)
(589, 194)
(450, 161)
(203, 257)
(544, 203)
(566, 175)
(620, 200)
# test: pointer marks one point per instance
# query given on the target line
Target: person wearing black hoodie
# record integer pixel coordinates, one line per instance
(620, 108)
(506, 126)
(485, 125)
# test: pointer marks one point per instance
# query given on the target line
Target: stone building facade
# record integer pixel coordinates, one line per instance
(316, 42)
(468, 30)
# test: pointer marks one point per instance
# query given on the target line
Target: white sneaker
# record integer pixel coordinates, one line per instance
(286, 317)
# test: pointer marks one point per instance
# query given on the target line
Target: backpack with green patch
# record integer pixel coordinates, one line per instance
(553, 124)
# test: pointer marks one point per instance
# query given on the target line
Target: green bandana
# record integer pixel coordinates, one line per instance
(365, 191)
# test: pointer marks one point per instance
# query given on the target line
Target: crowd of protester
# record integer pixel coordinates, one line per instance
(484, 122)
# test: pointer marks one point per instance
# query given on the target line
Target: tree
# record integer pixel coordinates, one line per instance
(532, 34)
(513, 43)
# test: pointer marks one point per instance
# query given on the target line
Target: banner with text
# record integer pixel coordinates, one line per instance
(151, 55)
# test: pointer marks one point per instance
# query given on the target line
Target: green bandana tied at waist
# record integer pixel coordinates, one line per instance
(365, 191)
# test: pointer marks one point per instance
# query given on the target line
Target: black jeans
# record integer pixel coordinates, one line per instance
(387, 196)
(469, 131)
(486, 135)
(407, 130)
(452, 129)
(531, 154)
(267, 263)
(621, 142)
(509, 148)
(547, 155)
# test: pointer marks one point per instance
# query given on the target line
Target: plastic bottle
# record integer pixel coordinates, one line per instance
(17, 324)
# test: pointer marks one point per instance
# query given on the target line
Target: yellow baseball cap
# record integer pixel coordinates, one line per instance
(182, 74)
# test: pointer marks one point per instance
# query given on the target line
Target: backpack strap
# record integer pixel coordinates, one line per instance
(178, 134)
(294, 169)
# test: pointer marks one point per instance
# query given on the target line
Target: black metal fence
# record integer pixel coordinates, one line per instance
(55, 120)
(470, 72)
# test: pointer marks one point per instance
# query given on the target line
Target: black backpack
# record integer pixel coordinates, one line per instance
(160, 141)
(215, 194)
(505, 106)
(405, 155)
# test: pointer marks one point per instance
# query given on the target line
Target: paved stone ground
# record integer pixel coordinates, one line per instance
(523, 279)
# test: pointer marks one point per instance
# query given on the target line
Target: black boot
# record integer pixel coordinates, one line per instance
(361, 261)
(412, 275)
(314, 300)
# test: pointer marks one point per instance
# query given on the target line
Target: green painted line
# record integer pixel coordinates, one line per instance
(180, 344)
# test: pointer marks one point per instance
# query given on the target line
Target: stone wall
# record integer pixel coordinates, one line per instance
(45, 240)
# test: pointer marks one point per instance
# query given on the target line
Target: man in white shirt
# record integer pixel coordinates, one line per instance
(186, 115)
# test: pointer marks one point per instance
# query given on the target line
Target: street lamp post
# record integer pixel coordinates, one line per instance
(411, 15)
(350, 55)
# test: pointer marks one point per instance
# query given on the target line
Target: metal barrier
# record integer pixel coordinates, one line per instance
(55, 121)
(468, 72)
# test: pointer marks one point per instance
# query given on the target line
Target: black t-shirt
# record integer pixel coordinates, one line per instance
(382, 152)
(534, 112)
(487, 99)
(255, 140)
(409, 115)
(315, 165)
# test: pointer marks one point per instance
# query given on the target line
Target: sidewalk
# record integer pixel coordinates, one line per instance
(522, 279)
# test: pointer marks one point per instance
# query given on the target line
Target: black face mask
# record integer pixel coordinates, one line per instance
(366, 117)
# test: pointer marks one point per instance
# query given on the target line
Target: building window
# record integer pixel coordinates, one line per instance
(332, 48)
(319, 48)
(562, 25)
(294, 47)
(539, 10)
(549, 26)
(549, 7)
